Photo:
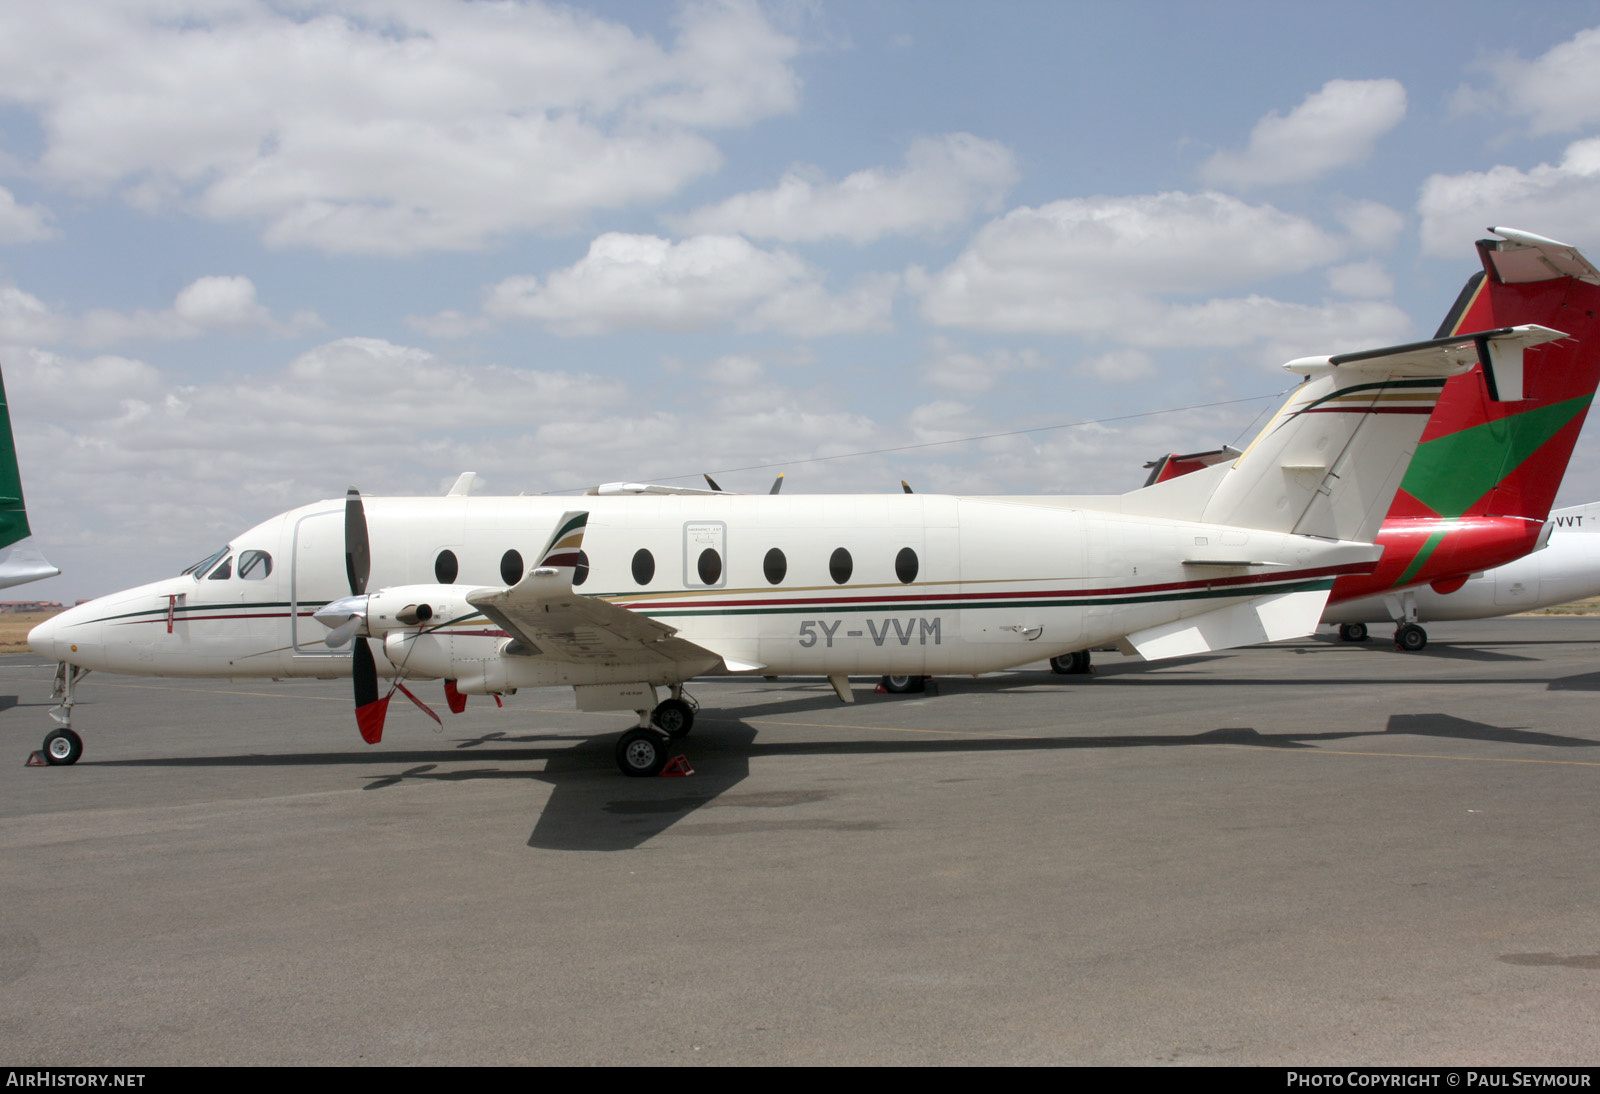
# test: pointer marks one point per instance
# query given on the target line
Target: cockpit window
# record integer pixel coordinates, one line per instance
(255, 565)
(223, 572)
(206, 563)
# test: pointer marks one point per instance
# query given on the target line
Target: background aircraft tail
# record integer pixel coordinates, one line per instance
(23, 563)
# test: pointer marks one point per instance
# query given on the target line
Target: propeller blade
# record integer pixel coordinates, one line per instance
(454, 698)
(777, 484)
(711, 482)
(357, 547)
(906, 486)
(370, 707)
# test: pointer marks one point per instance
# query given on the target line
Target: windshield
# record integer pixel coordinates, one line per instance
(206, 563)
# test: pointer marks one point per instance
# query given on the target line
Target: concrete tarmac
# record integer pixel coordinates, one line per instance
(1311, 853)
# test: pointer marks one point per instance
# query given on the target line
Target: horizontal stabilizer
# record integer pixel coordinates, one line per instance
(1524, 257)
(1498, 351)
(23, 564)
(1264, 619)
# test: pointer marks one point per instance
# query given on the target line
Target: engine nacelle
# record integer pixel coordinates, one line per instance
(403, 607)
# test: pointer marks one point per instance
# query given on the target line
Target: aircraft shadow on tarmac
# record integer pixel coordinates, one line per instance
(592, 808)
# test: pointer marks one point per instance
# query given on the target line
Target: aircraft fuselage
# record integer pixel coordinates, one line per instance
(826, 584)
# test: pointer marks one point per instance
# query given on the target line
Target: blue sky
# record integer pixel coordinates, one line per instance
(253, 253)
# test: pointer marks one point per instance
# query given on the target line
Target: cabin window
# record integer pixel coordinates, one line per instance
(446, 568)
(644, 566)
(905, 565)
(580, 572)
(709, 566)
(223, 572)
(840, 566)
(511, 567)
(255, 565)
(775, 566)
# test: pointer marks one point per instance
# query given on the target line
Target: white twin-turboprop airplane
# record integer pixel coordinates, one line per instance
(634, 589)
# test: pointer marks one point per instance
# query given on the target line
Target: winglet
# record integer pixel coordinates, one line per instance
(563, 552)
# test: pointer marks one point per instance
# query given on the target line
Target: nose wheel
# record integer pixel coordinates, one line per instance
(61, 747)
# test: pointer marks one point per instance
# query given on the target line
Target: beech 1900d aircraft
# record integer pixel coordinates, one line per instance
(636, 588)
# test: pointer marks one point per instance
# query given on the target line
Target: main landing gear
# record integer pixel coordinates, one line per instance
(1410, 637)
(1071, 664)
(905, 685)
(642, 751)
(63, 746)
(1352, 632)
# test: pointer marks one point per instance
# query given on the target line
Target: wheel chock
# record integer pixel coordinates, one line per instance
(36, 759)
(677, 767)
(880, 689)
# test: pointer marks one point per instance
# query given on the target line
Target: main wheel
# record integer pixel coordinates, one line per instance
(905, 685)
(1071, 664)
(641, 753)
(62, 747)
(1410, 638)
(1352, 632)
(673, 717)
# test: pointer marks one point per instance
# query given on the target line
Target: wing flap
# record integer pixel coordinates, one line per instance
(1263, 619)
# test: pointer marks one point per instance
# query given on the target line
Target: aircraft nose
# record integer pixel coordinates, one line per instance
(45, 638)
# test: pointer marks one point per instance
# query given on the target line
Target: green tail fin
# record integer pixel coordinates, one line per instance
(13, 516)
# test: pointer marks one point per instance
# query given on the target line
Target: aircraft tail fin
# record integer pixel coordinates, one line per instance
(1488, 452)
(1329, 463)
(24, 562)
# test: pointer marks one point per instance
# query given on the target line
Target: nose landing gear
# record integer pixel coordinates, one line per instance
(62, 746)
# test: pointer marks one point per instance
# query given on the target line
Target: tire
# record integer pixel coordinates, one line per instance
(1071, 664)
(641, 753)
(905, 685)
(62, 747)
(1352, 632)
(673, 717)
(1410, 638)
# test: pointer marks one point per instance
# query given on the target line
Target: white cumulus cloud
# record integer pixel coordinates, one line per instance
(1561, 201)
(27, 320)
(945, 181)
(393, 129)
(1558, 91)
(207, 305)
(643, 282)
(1100, 266)
(1334, 127)
(22, 223)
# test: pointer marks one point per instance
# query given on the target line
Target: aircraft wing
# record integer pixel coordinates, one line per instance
(547, 618)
